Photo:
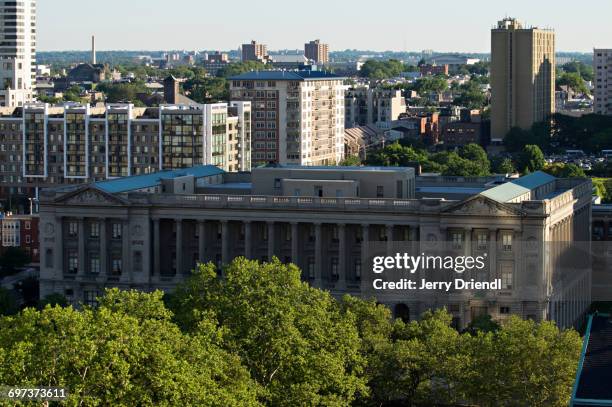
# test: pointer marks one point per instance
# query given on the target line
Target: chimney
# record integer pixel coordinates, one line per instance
(93, 49)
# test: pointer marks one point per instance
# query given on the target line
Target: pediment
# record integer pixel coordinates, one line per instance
(90, 196)
(482, 206)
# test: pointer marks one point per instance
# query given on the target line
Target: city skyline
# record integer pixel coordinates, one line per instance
(280, 28)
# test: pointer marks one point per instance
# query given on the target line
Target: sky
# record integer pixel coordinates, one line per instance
(400, 25)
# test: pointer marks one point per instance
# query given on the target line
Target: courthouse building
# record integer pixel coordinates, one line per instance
(148, 232)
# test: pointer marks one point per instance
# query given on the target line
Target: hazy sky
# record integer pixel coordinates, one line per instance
(442, 25)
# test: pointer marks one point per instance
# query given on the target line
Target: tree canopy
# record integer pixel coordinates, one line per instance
(255, 334)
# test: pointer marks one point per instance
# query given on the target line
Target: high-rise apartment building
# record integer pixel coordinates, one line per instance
(373, 106)
(317, 51)
(602, 66)
(17, 52)
(522, 76)
(297, 116)
(255, 52)
(42, 145)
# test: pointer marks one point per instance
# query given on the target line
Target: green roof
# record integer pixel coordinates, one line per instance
(521, 186)
(137, 182)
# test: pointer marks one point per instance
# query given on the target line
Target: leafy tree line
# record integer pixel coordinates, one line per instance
(262, 336)
(470, 160)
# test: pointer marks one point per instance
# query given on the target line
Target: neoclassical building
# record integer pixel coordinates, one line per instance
(149, 231)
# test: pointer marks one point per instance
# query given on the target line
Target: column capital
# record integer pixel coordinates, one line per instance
(341, 225)
(294, 223)
(365, 225)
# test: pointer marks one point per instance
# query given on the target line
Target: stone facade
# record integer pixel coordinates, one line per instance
(92, 239)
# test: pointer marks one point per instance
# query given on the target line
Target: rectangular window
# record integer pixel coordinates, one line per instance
(117, 230)
(94, 230)
(94, 263)
(311, 268)
(504, 310)
(73, 262)
(507, 276)
(457, 240)
(358, 269)
(482, 241)
(507, 242)
(380, 191)
(73, 229)
(90, 298)
(137, 261)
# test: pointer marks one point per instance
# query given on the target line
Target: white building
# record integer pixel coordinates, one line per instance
(298, 116)
(17, 52)
(602, 58)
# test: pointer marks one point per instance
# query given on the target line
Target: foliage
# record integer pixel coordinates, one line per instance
(240, 68)
(585, 71)
(53, 300)
(603, 189)
(561, 170)
(292, 338)
(503, 165)
(8, 302)
(207, 90)
(431, 84)
(522, 364)
(126, 352)
(375, 69)
(261, 336)
(471, 160)
(574, 81)
(470, 95)
(352, 161)
(123, 92)
(531, 159)
(483, 323)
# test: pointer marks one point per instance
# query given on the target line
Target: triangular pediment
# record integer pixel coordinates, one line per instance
(90, 195)
(482, 206)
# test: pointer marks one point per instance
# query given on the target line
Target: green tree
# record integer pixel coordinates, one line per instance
(127, 352)
(293, 338)
(8, 303)
(561, 170)
(522, 364)
(431, 84)
(53, 300)
(574, 81)
(375, 69)
(531, 159)
(352, 161)
(240, 68)
(503, 166)
(477, 154)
